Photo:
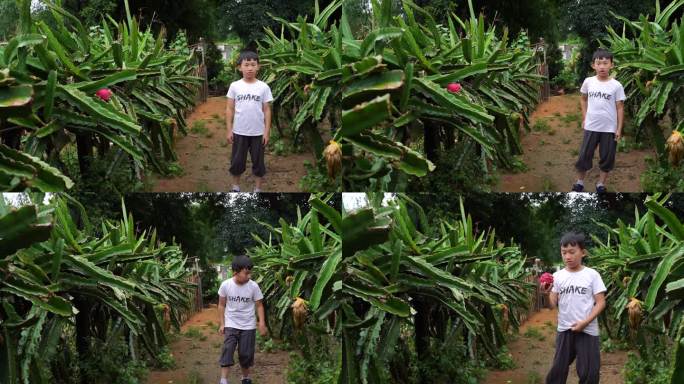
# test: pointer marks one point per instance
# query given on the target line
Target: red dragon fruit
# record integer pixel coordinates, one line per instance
(546, 279)
(454, 87)
(104, 94)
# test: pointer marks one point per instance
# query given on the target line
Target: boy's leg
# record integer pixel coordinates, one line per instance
(256, 152)
(586, 154)
(230, 341)
(588, 358)
(565, 354)
(607, 150)
(246, 348)
(238, 158)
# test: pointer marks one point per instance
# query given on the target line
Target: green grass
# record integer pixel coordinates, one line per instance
(175, 169)
(193, 333)
(571, 117)
(194, 377)
(541, 125)
(534, 333)
(534, 377)
(202, 186)
(199, 127)
(566, 141)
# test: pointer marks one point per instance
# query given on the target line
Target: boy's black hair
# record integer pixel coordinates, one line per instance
(241, 262)
(573, 239)
(602, 53)
(247, 55)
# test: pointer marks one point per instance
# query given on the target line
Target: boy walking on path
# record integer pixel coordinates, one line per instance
(238, 297)
(579, 294)
(602, 105)
(248, 119)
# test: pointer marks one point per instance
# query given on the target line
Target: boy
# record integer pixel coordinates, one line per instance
(237, 298)
(602, 116)
(579, 293)
(248, 119)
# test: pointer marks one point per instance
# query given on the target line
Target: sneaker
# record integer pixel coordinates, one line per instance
(577, 187)
(246, 381)
(601, 189)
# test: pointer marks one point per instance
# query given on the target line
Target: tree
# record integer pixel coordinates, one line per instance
(248, 18)
(588, 19)
(9, 15)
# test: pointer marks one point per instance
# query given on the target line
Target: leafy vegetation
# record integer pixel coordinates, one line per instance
(69, 289)
(642, 267)
(52, 99)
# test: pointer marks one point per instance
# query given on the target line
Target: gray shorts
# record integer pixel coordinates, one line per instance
(238, 159)
(607, 148)
(244, 340)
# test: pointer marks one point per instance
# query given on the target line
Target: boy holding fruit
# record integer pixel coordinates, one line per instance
(579, 294)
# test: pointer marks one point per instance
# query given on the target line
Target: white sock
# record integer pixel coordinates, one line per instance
(257, 190)
(224, 381)
(236, 188)
(599, 184)
(580, 182)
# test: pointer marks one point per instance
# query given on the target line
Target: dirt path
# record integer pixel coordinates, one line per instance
(197, 359)
(551, 149)
(533, 352)
(204, 156)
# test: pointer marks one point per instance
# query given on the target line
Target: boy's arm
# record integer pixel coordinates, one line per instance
(230, 112)
(262, 318)
(221, 313)
(267, 122)
(620, 105)
(553, 300)
(583, 105)
(600, 305)
(553, 296)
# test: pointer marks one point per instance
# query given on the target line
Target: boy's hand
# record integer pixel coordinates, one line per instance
(263, 331)
(265, 140)
(221, 329)
(618, 135)
(546, 288)
(229, 137)
(578, 326)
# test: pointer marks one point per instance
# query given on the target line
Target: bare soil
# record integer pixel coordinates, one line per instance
(198, 359)
(204, 155)
(533, 355)
(550, 154)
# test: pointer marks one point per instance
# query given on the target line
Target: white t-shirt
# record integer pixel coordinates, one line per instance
(576, 292)
(240, 300)
(249, 106)
(601, 108)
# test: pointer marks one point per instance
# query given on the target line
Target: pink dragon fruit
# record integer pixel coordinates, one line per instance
(104, 94)
(454, 87)
(546, 279)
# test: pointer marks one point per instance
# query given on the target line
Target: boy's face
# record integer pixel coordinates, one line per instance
(572, 255)
(249, 69)
(243, 276)
(602, 66)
